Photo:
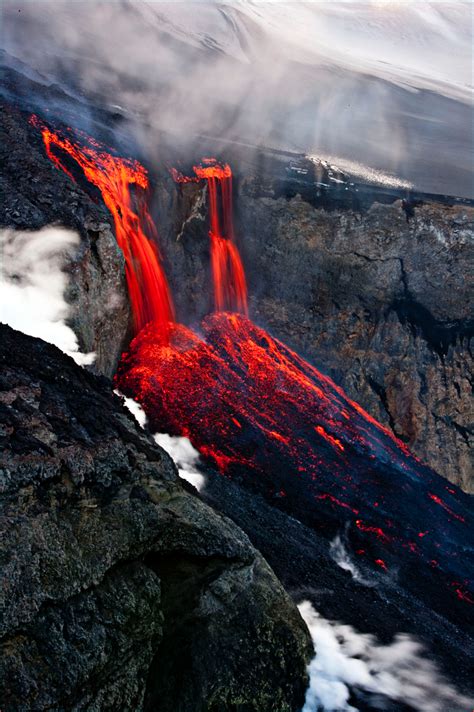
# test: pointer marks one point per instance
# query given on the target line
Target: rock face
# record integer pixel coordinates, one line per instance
(383, 304)
(33, 194)
(121, 590)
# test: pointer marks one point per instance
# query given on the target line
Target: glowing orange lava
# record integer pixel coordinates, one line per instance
(135, 232)
(271, 421)
(230, 287)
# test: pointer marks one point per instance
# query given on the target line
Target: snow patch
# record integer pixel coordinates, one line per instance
(366, 173)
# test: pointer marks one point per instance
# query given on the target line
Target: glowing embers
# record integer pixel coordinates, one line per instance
(136, 235)
(334, 441)
(439, 501)
(377, 531)
(230, 288)
(461, 592)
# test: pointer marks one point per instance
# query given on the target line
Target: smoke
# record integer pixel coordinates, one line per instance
(384, 84)
(340, 556)
(346, 659)
(179, 449)
(135, 409)
(32, 286)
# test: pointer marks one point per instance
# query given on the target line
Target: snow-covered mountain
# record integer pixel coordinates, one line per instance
(385, 84)
(419, 44)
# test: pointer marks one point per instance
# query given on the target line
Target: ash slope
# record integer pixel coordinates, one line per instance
(120, 590)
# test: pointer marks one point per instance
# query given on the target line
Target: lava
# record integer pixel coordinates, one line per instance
(373, 530)
(462, 594)
(329, 438)
(134, 229)
(336, 501)
(439, 501)
(272, 422)
(230, 287)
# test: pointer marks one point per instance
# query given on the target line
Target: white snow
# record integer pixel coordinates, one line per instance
(423, 44)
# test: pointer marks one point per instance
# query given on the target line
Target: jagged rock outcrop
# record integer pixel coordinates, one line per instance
(383, 304)
(121, 590)
(33, 193)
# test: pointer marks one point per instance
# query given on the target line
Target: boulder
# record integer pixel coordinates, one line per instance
(120, 589)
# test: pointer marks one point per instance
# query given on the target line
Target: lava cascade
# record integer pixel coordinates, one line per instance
(134, 229)
(230, 288)
(273, 422)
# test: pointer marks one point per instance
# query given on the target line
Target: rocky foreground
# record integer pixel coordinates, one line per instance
(121, 590)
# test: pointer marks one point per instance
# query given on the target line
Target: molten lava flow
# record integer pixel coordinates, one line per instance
(230, 288)
(147, 285)
(271, 421)
(179, 177)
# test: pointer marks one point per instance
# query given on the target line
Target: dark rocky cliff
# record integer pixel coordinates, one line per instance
(121, 590)
(383, 304)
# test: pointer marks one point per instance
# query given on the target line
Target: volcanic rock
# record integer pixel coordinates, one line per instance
(381, 303)
(378, 298)
(120, 589)
(33, 193)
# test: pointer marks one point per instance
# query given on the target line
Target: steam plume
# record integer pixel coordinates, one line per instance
(341, 557)
(273, 73)
(32, 286)
(348, 659)
(185, 457)
(179, 449)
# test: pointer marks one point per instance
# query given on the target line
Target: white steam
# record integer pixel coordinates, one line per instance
(32, 286)
(179, 449)
(340, 556)
(348, 659)
(185, 457)
(135, 409)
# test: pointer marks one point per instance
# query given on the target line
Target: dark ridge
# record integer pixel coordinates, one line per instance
(358, 196)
